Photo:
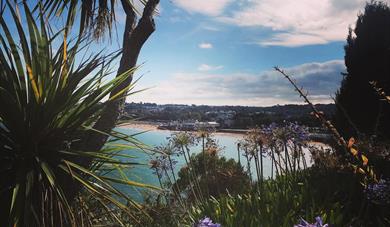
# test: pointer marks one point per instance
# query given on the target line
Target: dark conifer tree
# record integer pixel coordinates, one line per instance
(367, 58)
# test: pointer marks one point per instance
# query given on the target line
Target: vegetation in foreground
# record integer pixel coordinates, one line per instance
(349, 184)
(58, 110)
(334, 190)
(52, 103)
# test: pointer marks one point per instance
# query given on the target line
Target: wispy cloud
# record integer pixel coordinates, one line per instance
(263, 89)
(300, 22)
(210, 7)
(205, 45)
(292, 40)
(206, 67)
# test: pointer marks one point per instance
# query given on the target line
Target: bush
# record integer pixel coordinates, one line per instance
(220, 177)
(336, 196)
(282, 203)
(367, 57)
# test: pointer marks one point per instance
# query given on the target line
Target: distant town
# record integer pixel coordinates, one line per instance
(224, 118)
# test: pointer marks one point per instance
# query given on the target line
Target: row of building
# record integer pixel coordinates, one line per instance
(189, 125)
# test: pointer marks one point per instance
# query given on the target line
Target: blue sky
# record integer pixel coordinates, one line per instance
(222, 52)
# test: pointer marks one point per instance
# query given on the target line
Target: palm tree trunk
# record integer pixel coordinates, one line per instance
(134, 37)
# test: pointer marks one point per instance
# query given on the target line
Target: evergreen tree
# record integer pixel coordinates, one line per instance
(367, 58)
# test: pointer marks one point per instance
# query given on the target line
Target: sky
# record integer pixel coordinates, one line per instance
(222, 52)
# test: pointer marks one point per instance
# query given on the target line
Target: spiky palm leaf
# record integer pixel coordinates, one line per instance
(96, 16)
(47, 103)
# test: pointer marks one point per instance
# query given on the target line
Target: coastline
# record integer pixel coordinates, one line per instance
(151, 126)
(143, 125)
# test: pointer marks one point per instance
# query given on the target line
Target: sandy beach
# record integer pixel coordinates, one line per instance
(142, 125)
(150, 126)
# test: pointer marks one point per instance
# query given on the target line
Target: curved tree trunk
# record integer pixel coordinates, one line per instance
(135, 35)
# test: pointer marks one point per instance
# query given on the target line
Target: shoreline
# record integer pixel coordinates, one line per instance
(148, 126)
(151, 126)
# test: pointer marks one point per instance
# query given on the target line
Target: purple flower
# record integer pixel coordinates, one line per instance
(297, 133)
(379, 193)
(318, 223)
(206, 222)
(289, 132)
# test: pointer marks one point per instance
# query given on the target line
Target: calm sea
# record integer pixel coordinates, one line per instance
(143, 173)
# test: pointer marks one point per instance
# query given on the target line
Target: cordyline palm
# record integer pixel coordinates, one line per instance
(48, 103)
(95, 17)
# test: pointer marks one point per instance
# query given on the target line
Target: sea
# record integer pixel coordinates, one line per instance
(142, 173)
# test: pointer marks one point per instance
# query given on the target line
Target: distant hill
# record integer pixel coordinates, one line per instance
(228, 116)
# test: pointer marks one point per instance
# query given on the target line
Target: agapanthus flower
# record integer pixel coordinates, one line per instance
(161, 165)
(379, 193)
(269, 130)
(297, 133)
(206, 222)
(167, 149)
(318, 223)
(180, 140)
(244, 146)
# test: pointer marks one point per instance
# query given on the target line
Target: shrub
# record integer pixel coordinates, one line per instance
(222, 176)
(367, 57)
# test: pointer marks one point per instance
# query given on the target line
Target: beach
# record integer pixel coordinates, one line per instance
(152, 126)
(141, 125)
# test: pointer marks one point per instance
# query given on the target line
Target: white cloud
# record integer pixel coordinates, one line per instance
(205, 67)
(264, 89)
(209, 7)
(299, 22)
(205, 45)
(292, 40)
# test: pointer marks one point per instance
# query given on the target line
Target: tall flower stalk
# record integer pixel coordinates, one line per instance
(255, 141)
(168, 164)
(181, 142)
(368, 174)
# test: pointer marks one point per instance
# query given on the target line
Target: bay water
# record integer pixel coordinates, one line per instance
(144, 174)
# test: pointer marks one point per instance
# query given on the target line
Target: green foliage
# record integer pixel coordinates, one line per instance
(48, 104)
(333, 195)
(221, 176)
(360, 109)
(96, 16)
(365, 87)
(282, 203)
(154, 212)
(160, 214)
